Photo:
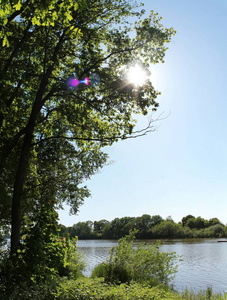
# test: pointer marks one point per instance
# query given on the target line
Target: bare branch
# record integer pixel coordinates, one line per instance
(135, 134)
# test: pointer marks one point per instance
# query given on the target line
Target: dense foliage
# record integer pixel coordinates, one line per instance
(96, 289)
(42, 259)
(52, 132)
(149, 227)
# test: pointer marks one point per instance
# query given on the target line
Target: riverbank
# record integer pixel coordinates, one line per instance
(203, 262)
(75, 286)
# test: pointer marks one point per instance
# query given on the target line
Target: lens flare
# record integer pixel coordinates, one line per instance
(86, 81)
(73, 82)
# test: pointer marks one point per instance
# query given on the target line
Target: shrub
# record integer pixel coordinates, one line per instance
(143, 263)
(41, 260)
(96, 289)
(99, 271)
(168, 229)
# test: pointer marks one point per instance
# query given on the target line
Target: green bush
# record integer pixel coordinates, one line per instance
(27, 291)
(97, 289)
(99, 271)
(143, 263)
(43, 257)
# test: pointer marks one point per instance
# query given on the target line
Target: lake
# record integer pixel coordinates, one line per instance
(204, 261)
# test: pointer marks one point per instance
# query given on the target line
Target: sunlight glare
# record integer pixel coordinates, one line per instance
(136, 75)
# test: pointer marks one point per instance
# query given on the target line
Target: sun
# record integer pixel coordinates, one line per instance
(136, 75)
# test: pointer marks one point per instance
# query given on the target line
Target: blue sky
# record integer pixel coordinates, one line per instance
(181, 168)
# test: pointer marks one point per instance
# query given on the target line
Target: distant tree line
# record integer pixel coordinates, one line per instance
(149, 227)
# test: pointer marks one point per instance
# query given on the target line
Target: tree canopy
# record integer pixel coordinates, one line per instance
(52, 133)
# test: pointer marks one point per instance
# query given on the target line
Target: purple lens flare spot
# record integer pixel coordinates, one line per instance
(73, 82)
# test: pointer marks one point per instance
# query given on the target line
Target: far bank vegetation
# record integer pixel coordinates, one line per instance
(149, 227)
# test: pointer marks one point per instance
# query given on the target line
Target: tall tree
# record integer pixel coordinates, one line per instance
(52, 128)
(185, 219)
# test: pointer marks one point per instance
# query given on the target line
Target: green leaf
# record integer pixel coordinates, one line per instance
(17, 6)
(5, 41)
(5, 21)
(76, 6)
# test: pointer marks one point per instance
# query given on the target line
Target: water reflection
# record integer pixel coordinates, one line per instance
(94, 252)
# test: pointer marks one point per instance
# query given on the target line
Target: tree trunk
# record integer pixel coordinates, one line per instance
(18, 188)
(25, 152)
(22, 169)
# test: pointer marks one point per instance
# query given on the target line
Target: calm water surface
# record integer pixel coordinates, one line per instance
(204, 261)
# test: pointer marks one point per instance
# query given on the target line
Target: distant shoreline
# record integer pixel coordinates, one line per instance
(148, 227)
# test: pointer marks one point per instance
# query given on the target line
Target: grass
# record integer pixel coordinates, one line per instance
(203, 295)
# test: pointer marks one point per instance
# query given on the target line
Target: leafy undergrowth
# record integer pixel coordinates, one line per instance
(97, 289)
(84, 289)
